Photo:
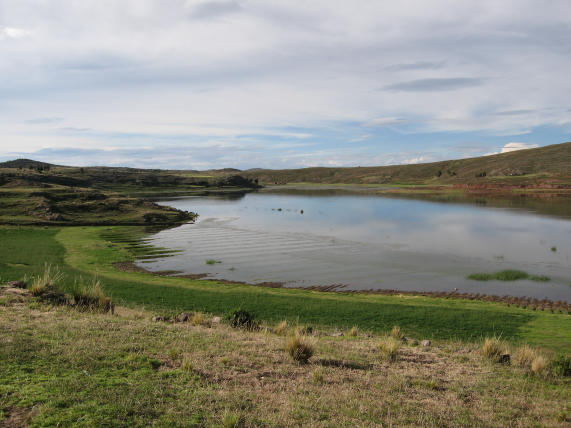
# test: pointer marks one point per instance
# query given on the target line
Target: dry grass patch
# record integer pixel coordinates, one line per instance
(353, 332)
(281, 328)
(48, 279)
(389, 347)
(300, 348)
(493, 349)
(396, 333)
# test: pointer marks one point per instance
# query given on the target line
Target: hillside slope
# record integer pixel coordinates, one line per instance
(549, 164)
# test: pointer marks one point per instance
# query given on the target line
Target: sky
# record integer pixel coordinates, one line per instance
(199, 84)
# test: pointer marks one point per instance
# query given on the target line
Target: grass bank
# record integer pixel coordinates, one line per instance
(82, 252)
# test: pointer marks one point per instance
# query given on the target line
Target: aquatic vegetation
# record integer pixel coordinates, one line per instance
(212, 261)
(507, 275)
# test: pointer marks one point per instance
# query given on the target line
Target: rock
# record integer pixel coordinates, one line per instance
(504, 359)
(216, 320)
(159, 318)
(184, 317)
(16, 284)
(426, 343)
(337, 334)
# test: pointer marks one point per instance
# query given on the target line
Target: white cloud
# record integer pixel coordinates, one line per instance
(510, 147)
(385, 121)
(13, 33)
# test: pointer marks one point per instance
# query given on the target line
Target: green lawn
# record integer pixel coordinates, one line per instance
(81, 251)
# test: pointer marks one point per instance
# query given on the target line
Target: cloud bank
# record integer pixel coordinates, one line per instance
(287, 82)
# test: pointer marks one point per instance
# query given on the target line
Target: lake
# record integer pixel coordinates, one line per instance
(360, 242)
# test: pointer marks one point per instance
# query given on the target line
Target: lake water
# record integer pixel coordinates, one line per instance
(368, 242)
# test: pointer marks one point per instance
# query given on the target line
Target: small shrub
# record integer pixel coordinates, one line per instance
(353, 332)
(538, 365)
(561, 365)
(300, 348)
(281, 328)
(48, 279)
(390, 346)
(493, 349)
(242, 319)
(524, 356)
(396, 333)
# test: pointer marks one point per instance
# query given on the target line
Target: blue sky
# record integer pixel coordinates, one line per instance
(279, 84)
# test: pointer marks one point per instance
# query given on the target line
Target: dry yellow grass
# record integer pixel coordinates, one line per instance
(390, 346)
(396, 332)
(300, 348)
(353, 332)
(493, 348)
(281, 328)
(539, 365)
(524, 356)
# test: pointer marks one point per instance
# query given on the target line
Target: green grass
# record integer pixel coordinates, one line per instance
(507, 275)
(81, 251)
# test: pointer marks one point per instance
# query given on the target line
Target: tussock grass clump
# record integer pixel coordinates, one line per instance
(396, 332)
(187, 364)
(300, 348)
(281, 328)
(353, 332)
(198, 318)
(525, 356)
(242, 319)
(91, 297)
(390, 346)
(539, 365)
(493, 349)
(48, 279)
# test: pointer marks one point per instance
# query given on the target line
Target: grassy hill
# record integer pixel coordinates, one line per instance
(545, 165)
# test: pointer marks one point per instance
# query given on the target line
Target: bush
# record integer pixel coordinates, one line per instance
(300, 348)
(390, 346)
(493, 349)
(242, 319)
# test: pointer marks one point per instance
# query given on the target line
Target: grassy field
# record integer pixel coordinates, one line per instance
(62, 367)
(82, 252)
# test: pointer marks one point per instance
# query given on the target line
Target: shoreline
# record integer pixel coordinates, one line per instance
(519, 302)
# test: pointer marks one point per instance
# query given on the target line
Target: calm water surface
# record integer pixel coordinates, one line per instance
(364, 242)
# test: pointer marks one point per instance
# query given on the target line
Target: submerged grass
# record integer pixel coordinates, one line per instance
(508, 275)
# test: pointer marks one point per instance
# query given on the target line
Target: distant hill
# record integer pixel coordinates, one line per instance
(26, 163)
(537, 165)
(540, 166)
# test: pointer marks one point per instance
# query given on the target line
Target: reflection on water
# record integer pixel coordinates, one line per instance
(368, 242)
